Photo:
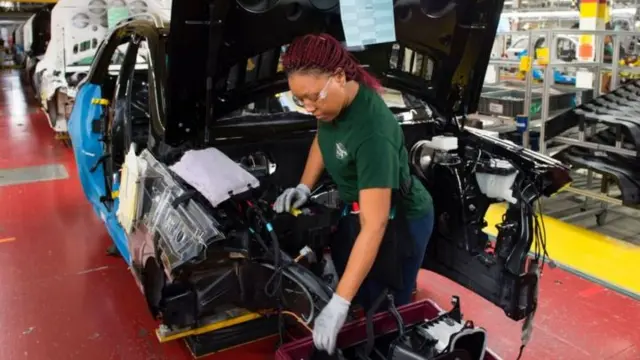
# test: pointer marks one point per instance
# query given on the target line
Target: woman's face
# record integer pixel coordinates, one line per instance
(321, 94)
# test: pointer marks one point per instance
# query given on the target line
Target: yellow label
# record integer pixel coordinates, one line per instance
(586, 39)
(98, 101)
(588, 10)
(604, 13)
(525, 63)
(250, 65)
(542, 55)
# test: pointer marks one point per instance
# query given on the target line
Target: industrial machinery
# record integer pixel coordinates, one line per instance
(156, 149)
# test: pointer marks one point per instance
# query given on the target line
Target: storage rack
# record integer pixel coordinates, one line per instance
(577, 138)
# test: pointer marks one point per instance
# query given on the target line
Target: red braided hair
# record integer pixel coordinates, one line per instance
(326, 54)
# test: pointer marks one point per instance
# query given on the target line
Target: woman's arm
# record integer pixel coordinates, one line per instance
(374, 214)
(314, 167)
(378, 170)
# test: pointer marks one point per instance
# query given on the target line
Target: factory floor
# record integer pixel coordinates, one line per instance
(63, 298)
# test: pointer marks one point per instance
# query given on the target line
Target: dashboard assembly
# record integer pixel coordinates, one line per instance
(193, 259)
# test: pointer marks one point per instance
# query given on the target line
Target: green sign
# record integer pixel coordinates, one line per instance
(535, 108)
(116, 14)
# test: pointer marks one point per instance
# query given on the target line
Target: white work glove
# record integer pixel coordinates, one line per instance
(292, 198)
(328, 324)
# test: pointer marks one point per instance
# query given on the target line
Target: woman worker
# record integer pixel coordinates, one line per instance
(360, 144)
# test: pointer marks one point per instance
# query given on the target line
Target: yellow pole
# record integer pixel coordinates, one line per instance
(592, 17)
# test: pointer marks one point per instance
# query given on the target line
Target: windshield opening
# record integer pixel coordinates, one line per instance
(116, 59)
(260, 68)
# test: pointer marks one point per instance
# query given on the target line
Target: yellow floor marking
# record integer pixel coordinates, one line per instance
(604, 258)
(9, 239)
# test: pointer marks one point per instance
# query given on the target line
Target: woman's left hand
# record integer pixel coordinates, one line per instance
(328, 324)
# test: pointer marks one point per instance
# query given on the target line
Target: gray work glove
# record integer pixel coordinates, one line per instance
(328, 324)
(292, 198)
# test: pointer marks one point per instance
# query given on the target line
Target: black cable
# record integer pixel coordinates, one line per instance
(544, 234)
(273, 286)
(540, 232)
(275, 280)
(520, 352)
(472, 172)
(539, 237)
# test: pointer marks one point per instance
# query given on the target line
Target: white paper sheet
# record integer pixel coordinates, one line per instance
(214, 174)
(367, 22)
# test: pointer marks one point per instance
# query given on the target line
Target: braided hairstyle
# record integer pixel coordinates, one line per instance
(326, 54)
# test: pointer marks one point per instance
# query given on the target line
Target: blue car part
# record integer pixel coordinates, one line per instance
(88, 150)
(558, 77)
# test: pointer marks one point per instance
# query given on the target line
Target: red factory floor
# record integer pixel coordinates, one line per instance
(64, 299)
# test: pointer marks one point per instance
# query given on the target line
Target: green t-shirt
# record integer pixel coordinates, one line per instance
(364, 148)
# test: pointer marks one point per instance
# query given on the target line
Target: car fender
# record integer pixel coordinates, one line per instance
(88, 149)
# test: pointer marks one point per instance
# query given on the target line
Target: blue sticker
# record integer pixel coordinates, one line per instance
(367, 22)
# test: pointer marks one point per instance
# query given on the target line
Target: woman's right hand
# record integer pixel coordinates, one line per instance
(292, 198)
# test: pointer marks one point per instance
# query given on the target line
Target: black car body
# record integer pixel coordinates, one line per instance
(212, 81)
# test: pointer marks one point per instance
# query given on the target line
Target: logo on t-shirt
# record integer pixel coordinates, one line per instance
(341, 151)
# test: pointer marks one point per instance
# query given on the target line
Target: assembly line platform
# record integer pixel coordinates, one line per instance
(63, 298)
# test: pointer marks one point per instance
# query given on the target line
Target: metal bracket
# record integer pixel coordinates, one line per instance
(456, 312)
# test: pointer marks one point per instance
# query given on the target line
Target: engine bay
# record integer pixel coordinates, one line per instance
(194, 253)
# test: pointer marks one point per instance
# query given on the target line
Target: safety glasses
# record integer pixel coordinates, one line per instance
(314, 99)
